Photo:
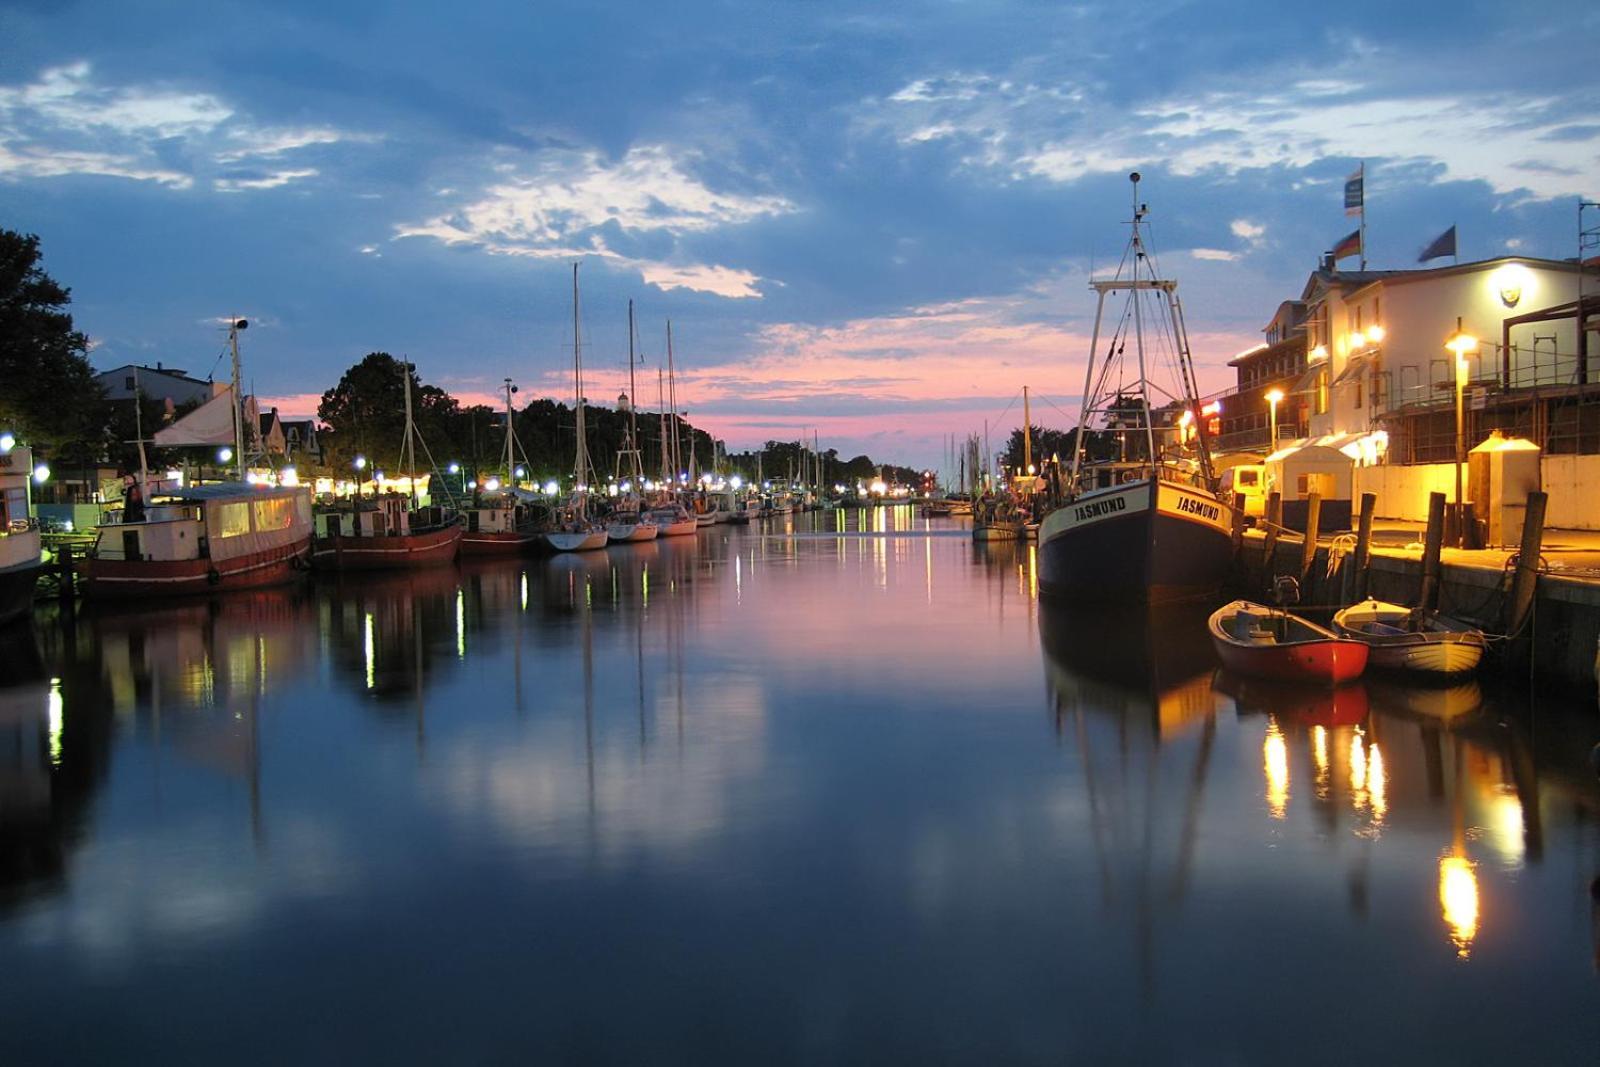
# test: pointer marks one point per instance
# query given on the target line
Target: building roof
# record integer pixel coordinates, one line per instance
(1297, 343)
(168, 372)
(1401, 277)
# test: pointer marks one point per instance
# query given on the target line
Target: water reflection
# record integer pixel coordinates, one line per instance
(837, 786)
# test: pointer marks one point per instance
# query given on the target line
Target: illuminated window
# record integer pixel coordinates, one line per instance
(277, 514)
(232, 519)
(1320, 403)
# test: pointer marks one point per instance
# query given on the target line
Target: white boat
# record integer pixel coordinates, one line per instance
(674, 520)
(20, 559)
(631, 527)
(574, 530)
(1161, 533)
(1412, 640)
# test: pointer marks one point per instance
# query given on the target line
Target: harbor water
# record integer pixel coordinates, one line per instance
(835, 787)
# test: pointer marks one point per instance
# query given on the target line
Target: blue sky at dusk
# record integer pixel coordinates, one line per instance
(875, 221)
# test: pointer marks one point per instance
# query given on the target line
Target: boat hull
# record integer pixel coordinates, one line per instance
(1010, 532)
(631, 532)
(679, 529)
(1399, 643)
(110, 579)
(1149, 542)
(576, 540)
(16, 589)
(427, 548)
(1310, 656)
(1440, 657)
(510, 543)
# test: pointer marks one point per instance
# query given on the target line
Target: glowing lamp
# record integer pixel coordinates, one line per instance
(361, 463)
(1376, 334)
(7, 443)
(1509, 283)
(224, 455)
(455, 468)
(41, 474)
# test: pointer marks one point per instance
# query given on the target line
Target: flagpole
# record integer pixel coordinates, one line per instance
(1361, 173)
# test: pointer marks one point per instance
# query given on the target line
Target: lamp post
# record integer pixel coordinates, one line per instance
(1461, 344)
(1274, 398)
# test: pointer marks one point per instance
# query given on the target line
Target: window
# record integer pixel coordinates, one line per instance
(1320, 400)
(1358, 394)
(273, 514)
(232, 519)
(1248, 477)
(128, 383)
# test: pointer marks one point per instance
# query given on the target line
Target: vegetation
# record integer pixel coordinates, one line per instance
(50, 398)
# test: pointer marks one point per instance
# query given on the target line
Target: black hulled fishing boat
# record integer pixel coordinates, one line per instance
(1147, 527)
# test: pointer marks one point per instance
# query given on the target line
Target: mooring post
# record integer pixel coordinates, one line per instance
(1525, 581)
(1432, 542)
(1363, 561)
(1269, 547)
(1308, 547)
(65, 590)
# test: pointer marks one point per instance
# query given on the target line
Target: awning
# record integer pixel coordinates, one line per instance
(1353, 368)
(1307, 382)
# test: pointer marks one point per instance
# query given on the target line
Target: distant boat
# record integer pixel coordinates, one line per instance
(1412, 640)
(20, 559)
(631, 526)
(629, 523)
(1159, 533)
(387, 531)
(674, 520)
(997, 519)
(502, 522)
(1262, 642)
(202, 539)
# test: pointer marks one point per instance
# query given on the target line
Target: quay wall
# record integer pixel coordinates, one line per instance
(1402, 491)
(1564, 633)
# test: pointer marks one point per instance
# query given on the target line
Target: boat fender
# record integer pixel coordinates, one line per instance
(213, 576)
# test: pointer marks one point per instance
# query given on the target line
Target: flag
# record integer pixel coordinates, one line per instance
(1350, 246)
(1442, 245)
(1353, 193)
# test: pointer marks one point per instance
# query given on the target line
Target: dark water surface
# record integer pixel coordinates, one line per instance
(836, 796)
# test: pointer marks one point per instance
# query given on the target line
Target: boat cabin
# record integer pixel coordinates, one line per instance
(219, 522)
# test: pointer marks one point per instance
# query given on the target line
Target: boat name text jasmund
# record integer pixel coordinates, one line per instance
(1100, 507)
(1195, 507)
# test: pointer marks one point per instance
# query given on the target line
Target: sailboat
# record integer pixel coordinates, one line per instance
(1151, 529)
(629, 521)
(575, 529)
(501, 522)
(205, 538)
(20, 561)
(1004, 516)
(387, 530)
(673, 519)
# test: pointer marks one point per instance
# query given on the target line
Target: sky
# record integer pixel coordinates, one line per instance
(874, 221)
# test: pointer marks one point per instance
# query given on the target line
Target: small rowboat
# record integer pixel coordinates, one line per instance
(1412, 640)
(1262, 642)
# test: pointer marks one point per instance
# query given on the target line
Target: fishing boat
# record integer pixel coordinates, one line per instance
(387, 530)
(1411, 640)
(20, 559)
(575, 530)
(503, 521)
(202, 539)
(1159, 533)
(1262, 642)
(997, 519)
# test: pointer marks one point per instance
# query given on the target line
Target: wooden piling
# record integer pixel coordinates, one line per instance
(1363, 558)
(1525, 580)
(1433, 542)
(1269, 547)
(66, 588)
(1308, 547)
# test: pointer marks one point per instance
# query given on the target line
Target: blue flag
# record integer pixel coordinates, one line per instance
(1442, 245)
(1354, 195)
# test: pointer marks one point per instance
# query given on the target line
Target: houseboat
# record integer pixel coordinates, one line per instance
(201, 539)
(19, 535)
(383, 533)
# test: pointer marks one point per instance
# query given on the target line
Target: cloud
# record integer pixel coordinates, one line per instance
(67, 123)
(568, 203)
(1214, 254)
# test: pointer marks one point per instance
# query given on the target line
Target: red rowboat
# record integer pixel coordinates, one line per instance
(1262, 642)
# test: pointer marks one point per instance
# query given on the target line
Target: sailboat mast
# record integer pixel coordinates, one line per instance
(672, 398)
(511, 462)
(1138, 326)
(238, 399)
(633, 407)
(661, 402)
(410, 451)
(581, 464)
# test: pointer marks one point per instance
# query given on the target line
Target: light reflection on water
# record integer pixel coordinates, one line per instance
(848, 789)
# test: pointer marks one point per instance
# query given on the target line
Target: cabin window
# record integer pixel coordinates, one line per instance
(1248, 477)
(233, 519)
(273, 514)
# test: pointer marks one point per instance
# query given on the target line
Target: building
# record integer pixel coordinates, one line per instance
(300, 441)
(167, 384)
(270, 428)
(1277, 364)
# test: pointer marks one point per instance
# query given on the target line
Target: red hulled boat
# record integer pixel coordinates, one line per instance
(1263, 642)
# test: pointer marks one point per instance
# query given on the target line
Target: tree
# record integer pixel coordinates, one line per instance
(49, 397)
(366, 413)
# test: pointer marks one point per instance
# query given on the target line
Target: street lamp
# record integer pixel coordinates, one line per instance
(1274, 398)
(1461, 344)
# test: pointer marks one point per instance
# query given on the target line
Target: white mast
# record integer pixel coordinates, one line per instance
(410, 451)
(672, 398)
(511, 460)
(234, 326)
(580, 469)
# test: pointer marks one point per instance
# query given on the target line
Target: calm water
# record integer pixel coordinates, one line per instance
(841, 795)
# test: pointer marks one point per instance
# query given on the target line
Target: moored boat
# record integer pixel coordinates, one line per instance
(674, 520)
(1157, 531)
(631, 527)
(383, 533)
(498, 526)
(201, 539)
(1262, 642)
(20, 559)
(1411, 640)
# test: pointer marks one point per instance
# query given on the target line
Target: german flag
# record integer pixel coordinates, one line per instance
(1349, 246)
